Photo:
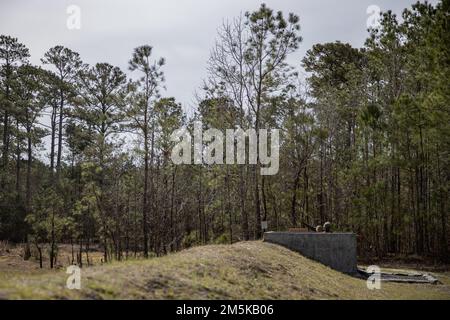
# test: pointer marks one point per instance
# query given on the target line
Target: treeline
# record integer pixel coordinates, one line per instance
(363, 142)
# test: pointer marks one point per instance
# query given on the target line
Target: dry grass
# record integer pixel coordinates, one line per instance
(245, 270)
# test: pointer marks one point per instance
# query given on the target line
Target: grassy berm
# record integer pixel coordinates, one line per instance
(245, 270)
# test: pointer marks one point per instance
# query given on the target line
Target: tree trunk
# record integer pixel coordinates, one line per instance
(52, 140)
(29, 163)
(242, 195)
(18, 153)
(294, 198)
(145, 195)
(60, 134)
(227, 186)
(52, 245)
(6, 118)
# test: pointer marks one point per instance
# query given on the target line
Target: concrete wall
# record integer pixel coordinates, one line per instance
(336, 250)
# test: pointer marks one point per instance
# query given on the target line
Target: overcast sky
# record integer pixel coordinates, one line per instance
(182, 31)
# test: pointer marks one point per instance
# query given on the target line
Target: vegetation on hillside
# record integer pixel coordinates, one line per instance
(245, 270)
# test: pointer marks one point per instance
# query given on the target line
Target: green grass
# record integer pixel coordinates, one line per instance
(245, 270)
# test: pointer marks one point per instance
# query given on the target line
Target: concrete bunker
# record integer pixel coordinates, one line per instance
(336, 250)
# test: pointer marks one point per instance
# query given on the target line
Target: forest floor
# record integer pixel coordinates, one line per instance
(244, 270)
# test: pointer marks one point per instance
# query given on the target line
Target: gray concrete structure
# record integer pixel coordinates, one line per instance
(336, 250)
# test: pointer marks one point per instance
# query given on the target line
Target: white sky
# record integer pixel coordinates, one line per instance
(182, 31)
